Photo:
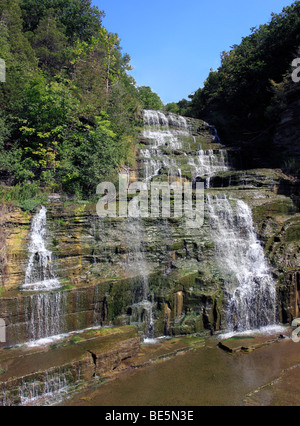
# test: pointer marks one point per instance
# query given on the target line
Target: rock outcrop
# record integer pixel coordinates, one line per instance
(98, 261)
(43, 375)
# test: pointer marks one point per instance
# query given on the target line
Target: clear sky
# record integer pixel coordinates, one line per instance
(174, 43)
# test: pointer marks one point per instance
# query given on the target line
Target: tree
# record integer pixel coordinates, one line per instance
(19, 57)
(173, 107)
(69, 108)
(49, 116)
(89, 157)
(50, 44)
(149, 99)
(81, 20)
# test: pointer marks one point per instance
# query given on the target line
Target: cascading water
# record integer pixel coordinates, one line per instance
(47, 388)
(45, 315)
(208, 164)
(142, 312)
(164, 140)
(170, 145)
(39, 274)
(170, 134)
(44, 311)
(249, 286)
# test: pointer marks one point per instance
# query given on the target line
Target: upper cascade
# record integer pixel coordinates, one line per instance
(159, 119)
(180, 147)
(39, 273)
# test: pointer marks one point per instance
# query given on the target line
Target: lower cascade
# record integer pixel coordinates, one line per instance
(249, 286)
(49, 387)
(142, 311)
(45, 315)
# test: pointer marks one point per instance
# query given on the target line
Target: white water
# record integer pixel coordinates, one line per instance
(142, 312)
(263, 331)
(166, 140)
(208, 163)
(250, 288)
(45, 314)
(46, 341)
(168, 137)
(158, 120)
(49, 386)
(39, 274)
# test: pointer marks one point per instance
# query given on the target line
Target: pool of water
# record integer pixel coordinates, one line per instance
(204, 377)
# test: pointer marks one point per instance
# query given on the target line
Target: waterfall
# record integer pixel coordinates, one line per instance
(208, 163)
(158, 119)
(46, 388)
(45, 315)
(39, 273)
(163, 142)
(249, 286)
(49, 386)
(170, 147)
(44, 312)
(166, 136)
(169, 135)
(142, 312)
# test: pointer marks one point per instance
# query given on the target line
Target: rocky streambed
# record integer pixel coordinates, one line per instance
(258, 370)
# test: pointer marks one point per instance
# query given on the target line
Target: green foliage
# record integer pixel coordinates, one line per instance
(79, 17)
(26, 196)
(50, 44)
(247, 95)
(241, 90)
(149, 99)
(89, 158)
(17, 53)
(69, 107)
(172, 107)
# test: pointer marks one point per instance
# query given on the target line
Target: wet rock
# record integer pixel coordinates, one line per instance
(27, 375)
(246, 343)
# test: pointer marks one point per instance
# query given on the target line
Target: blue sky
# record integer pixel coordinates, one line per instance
(174, 43)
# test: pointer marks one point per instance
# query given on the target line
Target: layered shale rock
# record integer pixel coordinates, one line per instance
(44, 375)
(155, 273)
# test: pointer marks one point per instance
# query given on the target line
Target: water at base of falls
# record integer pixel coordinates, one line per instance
(249, 285)
(269, 330)
(39, 274)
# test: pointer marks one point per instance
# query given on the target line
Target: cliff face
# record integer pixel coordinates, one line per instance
(3, 253)
(285, 144)
(286, 137)
(104, 264)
